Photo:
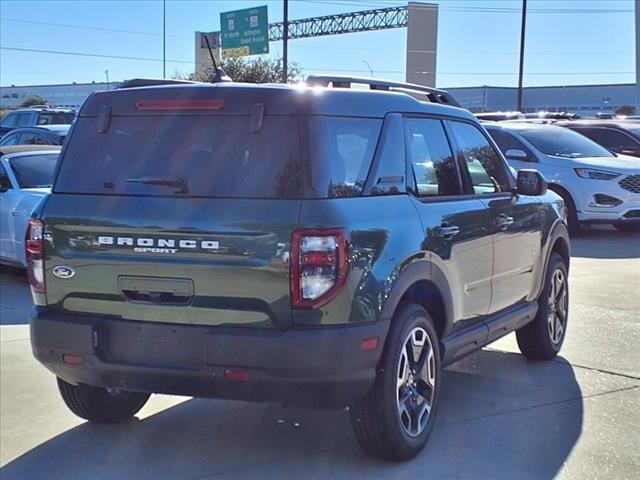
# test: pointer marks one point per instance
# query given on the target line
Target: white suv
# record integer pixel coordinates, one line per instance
(596, 185)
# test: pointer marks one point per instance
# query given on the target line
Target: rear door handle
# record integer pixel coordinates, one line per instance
(504, 221)
(447, 231)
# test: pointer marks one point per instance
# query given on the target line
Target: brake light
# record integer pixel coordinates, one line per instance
(319, 266)
(180, 104)
(34, 243)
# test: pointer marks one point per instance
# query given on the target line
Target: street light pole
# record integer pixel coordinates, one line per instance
(106, 72)
(520, 71)
(164, 39)
(285, 39)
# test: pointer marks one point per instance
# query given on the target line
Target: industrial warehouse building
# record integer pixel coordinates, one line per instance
(585, 100)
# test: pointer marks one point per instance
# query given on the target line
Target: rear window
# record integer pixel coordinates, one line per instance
(34, 170)
(186, 155)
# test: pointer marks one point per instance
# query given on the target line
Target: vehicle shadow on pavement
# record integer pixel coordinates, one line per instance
(606, 243)
(500, 416)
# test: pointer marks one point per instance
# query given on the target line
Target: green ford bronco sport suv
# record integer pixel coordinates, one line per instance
(316, 245)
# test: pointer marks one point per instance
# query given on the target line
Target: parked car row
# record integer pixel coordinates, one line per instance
(598, 186)
(26, 175)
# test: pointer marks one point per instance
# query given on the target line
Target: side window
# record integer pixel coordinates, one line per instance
(9, 139)
(592, 133)
(24, 119)
(506, 141)
(31, 139)
(434, 166)
(615, 140)
(487, 170)
(5, 183)
(391, 163)
(10, 120)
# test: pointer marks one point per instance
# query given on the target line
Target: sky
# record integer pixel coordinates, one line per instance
(569, 42)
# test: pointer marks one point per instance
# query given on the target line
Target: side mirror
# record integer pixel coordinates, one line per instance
(530, 182)
(516, 154)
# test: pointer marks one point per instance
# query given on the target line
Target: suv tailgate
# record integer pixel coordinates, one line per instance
(199, 261)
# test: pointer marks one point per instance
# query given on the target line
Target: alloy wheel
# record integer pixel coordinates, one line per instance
(416, 380)
(557, 316)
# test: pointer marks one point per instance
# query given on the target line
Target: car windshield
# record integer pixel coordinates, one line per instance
(34, 171)
(562, 142)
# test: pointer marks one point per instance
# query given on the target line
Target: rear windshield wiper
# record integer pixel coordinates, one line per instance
(180, 183)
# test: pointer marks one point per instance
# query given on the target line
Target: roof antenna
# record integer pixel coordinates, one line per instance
(219, 75)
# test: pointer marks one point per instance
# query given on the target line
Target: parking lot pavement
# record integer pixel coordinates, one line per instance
(500, 416)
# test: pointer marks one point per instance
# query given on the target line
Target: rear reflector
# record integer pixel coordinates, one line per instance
(369, 344)
(180, 104)
(238, 375)
(72, 359)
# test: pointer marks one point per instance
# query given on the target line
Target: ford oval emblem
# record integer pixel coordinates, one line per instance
(62, 271)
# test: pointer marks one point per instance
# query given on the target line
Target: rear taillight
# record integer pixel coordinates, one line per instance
(319, 266)
(35, 255)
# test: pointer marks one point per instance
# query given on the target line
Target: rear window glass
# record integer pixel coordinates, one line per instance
(187, 155)
(34, 170)
(341, 150)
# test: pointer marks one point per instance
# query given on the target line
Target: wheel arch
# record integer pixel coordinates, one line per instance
(423, 283)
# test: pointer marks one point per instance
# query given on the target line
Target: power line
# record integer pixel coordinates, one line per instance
(149, 59)
(88, 27)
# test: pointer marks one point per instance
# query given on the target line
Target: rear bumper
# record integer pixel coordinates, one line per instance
(320, 367)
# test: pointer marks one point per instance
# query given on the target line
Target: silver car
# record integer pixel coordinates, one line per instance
(596, 185)
(25, 180)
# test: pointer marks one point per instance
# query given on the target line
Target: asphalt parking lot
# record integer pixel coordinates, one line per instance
(500, 416)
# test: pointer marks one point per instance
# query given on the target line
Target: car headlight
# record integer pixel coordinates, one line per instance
(596, 174)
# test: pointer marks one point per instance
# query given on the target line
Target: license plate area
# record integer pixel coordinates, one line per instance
(154, 345)
(156, 290)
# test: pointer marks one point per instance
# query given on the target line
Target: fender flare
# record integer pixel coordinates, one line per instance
(557, 231)
(421, 270)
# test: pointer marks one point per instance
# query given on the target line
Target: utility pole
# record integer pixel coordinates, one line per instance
(285, 39)
(520, 71)
(106, 72)
(164, 39)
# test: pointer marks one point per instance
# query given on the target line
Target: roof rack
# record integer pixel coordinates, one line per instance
(433, 94)
(149, 82)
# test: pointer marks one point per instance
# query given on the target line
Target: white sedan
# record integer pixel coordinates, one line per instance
(25, 180)
(597, 186)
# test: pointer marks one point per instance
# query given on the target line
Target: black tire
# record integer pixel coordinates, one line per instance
(573, 224)
(378, 424)
(541, 338)
(98, 405)
(627, 227)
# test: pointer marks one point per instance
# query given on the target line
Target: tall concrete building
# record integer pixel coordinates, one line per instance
(422, 43)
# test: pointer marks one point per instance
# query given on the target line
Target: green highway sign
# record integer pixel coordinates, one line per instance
(244, 32)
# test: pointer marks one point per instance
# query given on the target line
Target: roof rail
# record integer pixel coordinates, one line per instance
(148, 82)
(433, 94)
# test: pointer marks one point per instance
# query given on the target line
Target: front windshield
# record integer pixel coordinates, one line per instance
(35, 170)
(562, 142)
